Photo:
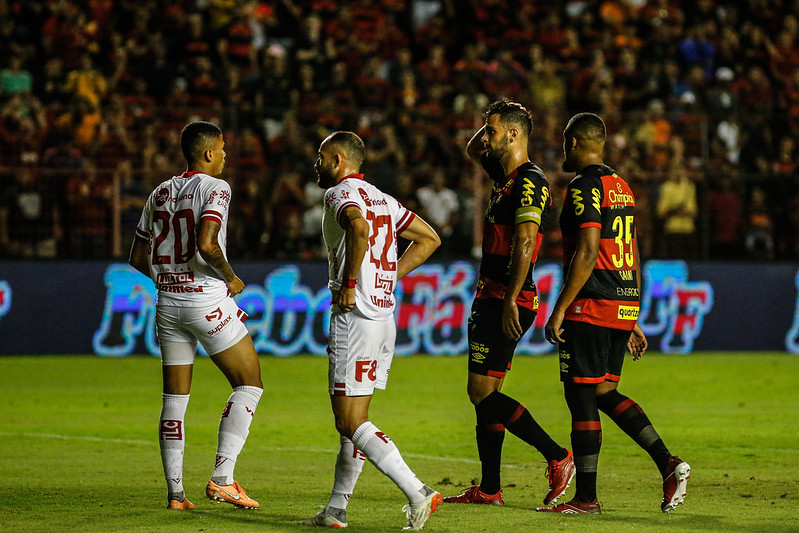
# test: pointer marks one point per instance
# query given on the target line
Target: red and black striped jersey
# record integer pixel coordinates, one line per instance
(521, 196)
(598, 197)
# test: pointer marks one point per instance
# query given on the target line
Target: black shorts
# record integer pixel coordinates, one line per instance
(591, 354)
(490, 351)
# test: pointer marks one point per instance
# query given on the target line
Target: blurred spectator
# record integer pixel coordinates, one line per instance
(86, 83)
(677, 212)
(28, 217)
(725, 213)
(14, 79)
(759, 237)
(439, 206)
(87, 217)
(654, 135)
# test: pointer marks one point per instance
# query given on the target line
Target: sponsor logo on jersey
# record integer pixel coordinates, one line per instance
(626, 291)
(627, 312)
(370, 201)
(162, 197)
(177, 289)
(382, 302)
(174, 278)
(528, 192)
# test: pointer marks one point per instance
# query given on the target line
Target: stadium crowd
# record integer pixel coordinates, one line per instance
(701, 100)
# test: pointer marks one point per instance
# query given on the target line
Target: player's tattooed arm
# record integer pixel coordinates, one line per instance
(211, 252)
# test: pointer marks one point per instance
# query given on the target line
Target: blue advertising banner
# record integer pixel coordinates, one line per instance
(108, 309)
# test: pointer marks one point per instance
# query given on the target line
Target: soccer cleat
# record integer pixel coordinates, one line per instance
(574, 506)
(560, 474)
(328, 517)
(419, 513)
(674, 484)
(233, 494)
(177, 505)
(475, 495)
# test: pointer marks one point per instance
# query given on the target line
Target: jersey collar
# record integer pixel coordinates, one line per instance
(353, 176)
(188, 174)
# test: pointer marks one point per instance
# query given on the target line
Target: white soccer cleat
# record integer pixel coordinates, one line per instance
(328, 517)
(420, 512)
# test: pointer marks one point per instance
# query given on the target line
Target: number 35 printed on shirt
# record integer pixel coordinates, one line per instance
(623, 229)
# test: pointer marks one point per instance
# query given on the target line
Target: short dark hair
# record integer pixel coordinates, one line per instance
(511, 113)
(195, 138)
(586, 126)
(351, 143)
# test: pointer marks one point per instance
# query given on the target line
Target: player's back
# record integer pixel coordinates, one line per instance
(172, 217)
(386, 218)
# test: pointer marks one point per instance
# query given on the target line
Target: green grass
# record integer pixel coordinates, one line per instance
(79, 448)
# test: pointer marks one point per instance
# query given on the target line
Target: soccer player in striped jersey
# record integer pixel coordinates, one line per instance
(595, 318)
(506, 302)
(180, 244)
(360, 226)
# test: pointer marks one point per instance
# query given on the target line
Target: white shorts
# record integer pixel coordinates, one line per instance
(217, 327)
(360, 353)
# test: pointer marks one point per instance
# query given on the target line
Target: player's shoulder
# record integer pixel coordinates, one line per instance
(532, 172)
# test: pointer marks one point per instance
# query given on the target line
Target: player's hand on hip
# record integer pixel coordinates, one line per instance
(235, 286)
(345, 299)
(511, 326)
(553, 329)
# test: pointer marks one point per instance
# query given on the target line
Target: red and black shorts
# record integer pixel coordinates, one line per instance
(490, 351)
(591, 354)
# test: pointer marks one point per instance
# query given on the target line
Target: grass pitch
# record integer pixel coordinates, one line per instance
(80, 451)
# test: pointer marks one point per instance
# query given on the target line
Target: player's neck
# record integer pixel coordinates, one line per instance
(514, 160)
(590, 160)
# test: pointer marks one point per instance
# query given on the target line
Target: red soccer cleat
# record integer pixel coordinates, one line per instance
(475, 495)
(560, 474)
(573, 507)
(674, 484)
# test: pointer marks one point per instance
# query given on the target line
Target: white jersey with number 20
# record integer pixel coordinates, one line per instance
(170, 220)
(374, 290)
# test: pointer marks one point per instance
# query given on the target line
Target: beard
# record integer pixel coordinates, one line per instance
(498, 150)
(324, 178)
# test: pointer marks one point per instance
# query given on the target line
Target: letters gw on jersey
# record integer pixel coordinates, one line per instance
(598, 197)
(170, 220)
(387, 218)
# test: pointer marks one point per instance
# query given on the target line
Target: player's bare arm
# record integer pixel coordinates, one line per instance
(522, 248)
(211, 252)
(637, 344)
(475, 148)
(580, 269)
(356, 241)
(139, 256)
(424, 241)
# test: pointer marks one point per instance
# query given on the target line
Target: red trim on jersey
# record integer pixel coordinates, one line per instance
(606, 377)
(341, 210)
(515, 416)
(494, 289)
(588, 425)
(212, 215)
(591, 225)
(242, 315)
(405, 222)
(623, 406)
(354, 176)
(142, 235)
(496, 374)
(189, 174)
(602, 313)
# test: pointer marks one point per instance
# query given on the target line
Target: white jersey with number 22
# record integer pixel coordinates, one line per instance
(377, 277)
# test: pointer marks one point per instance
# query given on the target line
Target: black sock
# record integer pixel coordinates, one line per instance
(490, 435)
(630, 417)
(586, 437)
(518, 420)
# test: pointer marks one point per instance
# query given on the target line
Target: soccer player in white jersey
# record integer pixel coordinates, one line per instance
(180, 244)
(360, 228)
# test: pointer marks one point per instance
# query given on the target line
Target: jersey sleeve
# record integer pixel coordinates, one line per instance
(145, 226)
(531, 197)
(216, 202)
(338, 199)
(493, 167)
(585, 201)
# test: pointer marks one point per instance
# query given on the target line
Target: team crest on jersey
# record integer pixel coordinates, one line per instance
(162, 197)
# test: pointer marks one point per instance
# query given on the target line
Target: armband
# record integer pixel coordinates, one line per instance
(348, 283)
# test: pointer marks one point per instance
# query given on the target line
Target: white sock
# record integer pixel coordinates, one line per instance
(383, 453)
(171, 438)
(349, 464)
(234, 426)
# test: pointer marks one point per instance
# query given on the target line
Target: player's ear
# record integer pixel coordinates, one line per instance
(208, 155)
